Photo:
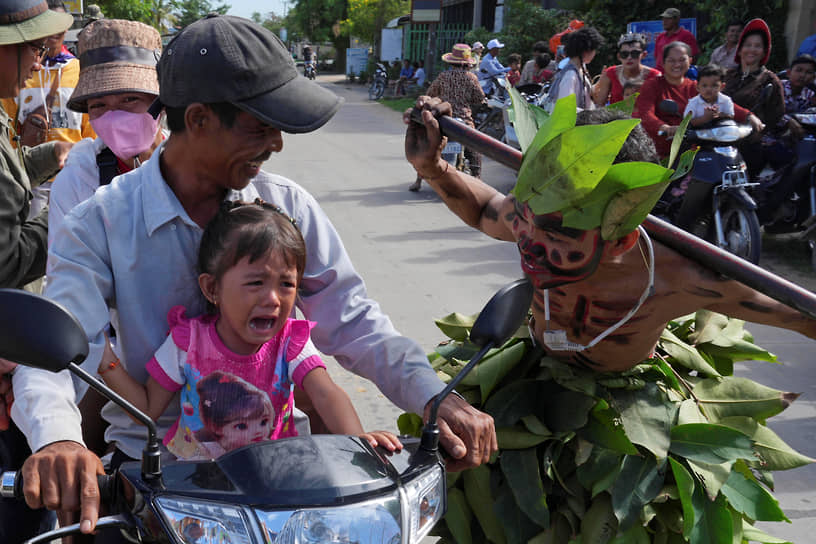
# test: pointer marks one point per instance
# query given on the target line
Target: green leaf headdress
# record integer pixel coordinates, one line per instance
(569, 169)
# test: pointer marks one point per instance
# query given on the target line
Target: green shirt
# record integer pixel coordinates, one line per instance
(23, 242)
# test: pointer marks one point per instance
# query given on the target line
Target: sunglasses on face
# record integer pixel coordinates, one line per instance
(630, 54)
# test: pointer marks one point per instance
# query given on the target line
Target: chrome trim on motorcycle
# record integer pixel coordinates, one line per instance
(107, 522)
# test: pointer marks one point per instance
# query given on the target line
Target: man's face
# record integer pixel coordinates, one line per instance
(54, 43)
(732, 35)
(29, 62)
(234, 155)
(670, 23)
(553, 255)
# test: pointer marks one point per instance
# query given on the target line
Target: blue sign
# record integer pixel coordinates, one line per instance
(356, 60)
(651, 29)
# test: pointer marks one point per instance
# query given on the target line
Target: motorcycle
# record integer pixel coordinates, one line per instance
(490, 118)
(379, 83)
(305, 489)
(715, 204)
(309, 69)
(796, 213)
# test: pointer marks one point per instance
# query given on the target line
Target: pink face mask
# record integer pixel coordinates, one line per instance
(126, 134)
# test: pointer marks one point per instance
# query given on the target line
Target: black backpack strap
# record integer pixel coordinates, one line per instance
(108, 166)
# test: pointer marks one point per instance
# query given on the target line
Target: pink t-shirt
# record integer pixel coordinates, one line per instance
(682, 35)
(225, 396)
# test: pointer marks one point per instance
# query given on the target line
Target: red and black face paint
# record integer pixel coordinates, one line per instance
(551, 254)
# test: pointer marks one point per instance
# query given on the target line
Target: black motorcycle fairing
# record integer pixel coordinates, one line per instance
(316, 470)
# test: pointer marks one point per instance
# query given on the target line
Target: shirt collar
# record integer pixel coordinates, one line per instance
(159, 202)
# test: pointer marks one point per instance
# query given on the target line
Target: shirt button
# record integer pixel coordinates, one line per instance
(173, 227)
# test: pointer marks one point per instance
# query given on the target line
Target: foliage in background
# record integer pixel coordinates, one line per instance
(161, 14)
(366, 18)
(674, 450)
(319, 21)
(190, 11)
(271, 21)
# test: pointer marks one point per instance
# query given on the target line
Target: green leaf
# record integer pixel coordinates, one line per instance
(561, 409)
(520, 468)
(712, 520)
(599, 524)
(480, 499)
(751, 499)
(685, 354)
(534, 425)
(709, 443)
(627, 210)
(513, 438)
(712, 476)
(685, 165)
(685, 488)
(410, 424)
(620, 178)
(742, 350)
(647, 417)
(708, 327)
(733, 396)
(518, 528)
(636, 534)
(493, 368)
(752, 534)
(639, 481)
(678, 138)
(458, 516)
(570, 167)
(690, 413)
(627, 106)
(774, 453)
(600, 471)
(524, 119)
(513, 401)
(456, 326)
(605, 429)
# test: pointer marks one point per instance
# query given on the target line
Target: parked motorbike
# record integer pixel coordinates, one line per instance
(713, 203)
(305, 489)
(309, 69)
(379, 84)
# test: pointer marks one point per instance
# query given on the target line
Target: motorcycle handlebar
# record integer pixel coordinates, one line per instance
(11, 486)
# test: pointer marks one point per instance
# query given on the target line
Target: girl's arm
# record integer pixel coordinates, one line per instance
(150, 398)
(334, 406)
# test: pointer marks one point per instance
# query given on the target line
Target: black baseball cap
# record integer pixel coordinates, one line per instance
(222, 58)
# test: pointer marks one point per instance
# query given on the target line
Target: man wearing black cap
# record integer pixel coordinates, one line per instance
(229, 89)
(24, 25)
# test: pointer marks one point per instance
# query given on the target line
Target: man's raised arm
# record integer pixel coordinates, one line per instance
(475, 202)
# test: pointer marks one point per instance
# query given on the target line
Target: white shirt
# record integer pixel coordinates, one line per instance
(697, 106)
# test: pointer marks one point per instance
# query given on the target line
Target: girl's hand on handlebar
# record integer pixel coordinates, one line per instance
(756, 123)
(383, 439)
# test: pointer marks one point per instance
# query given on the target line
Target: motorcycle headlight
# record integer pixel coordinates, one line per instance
(200, 522)
(426, 502)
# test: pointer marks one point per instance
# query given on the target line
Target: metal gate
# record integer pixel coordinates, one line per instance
(416, 40)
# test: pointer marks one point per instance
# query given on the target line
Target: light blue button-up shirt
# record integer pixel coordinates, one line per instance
(133, 248)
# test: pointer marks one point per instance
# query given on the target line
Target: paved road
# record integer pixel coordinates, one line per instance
(421, 262)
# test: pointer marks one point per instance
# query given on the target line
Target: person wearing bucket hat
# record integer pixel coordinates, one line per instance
(229, 88)
(673, 32)
(43, 114)
(460, 88)
(117, 84)
(24, 27)
(745, 85)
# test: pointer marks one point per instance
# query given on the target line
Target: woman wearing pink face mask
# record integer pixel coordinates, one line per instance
(117, 84)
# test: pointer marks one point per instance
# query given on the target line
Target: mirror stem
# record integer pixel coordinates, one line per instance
(151, 465)
(430, 433)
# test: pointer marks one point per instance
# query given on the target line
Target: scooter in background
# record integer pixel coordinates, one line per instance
(379, 83)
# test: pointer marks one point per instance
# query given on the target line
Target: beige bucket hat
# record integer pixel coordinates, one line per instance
(28, 20)
(116, 56)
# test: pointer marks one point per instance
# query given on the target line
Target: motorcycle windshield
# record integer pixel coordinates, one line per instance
(315, 470)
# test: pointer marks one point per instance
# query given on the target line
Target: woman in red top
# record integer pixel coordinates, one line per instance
(631, 51)
(673, 85)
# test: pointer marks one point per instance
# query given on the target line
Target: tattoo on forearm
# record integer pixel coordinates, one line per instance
(756, 307)
(491, 212)
(702, 292)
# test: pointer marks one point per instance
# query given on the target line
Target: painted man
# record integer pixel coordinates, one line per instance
(578, 240)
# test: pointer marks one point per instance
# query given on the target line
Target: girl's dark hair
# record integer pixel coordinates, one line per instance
(240, 230)
(673, 45)
(224, 397)
(542, 60)
(582, 40)
(803, 59)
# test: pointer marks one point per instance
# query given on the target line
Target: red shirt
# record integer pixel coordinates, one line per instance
(656, 89)
(663, 39)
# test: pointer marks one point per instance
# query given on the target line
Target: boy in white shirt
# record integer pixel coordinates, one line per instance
(710, 104)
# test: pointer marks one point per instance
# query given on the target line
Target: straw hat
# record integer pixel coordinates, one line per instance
(29, 20)
(116, 56)
(460, 54)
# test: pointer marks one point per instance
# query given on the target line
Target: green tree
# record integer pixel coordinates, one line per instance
(366, 18)
(189, 11)
(319, 21)
(271, 21)
(156, 13)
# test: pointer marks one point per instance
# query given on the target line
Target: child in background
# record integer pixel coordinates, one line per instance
(514, 75)
(542, 74)
(710, 104)
(236, 368)
(631, 87)
(799, 95)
